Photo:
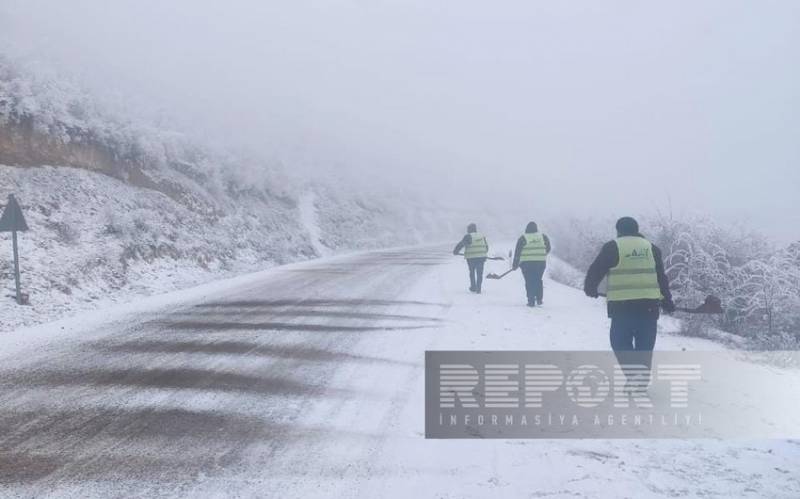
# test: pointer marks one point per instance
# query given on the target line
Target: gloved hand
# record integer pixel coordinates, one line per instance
(591, 293)
(667, 305)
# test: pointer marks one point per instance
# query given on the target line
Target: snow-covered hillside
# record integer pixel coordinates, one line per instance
(119, 207)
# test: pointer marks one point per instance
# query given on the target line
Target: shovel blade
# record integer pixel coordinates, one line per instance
(492, 276)
(711, 305)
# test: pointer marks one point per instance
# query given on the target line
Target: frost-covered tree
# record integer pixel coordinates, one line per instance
(758, 285)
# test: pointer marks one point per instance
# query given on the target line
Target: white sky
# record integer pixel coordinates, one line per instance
(585, 107)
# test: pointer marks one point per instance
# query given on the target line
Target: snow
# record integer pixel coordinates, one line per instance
(371, 443)
(103, 318)
(95, 240)
(310, 221)
(404, 464)
(119, 207)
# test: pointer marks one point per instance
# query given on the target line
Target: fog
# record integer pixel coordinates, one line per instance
(602, 108)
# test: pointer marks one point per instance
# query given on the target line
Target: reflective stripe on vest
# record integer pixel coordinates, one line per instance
(478, 248)
(634, 277)
(534, 249)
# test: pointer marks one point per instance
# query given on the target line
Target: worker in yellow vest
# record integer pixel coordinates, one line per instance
(637, 288)
(476, 249)
(530, 255)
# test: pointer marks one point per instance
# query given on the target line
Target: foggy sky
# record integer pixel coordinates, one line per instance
(580, 107)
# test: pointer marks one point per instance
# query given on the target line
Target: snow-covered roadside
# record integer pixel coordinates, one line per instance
(96, 241)
(105, 316)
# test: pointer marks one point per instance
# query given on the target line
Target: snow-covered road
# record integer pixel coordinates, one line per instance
(307, 381)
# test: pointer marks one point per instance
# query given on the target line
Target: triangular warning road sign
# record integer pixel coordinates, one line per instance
(12, 218)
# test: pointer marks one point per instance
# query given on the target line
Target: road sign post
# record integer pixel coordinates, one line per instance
(12, 221)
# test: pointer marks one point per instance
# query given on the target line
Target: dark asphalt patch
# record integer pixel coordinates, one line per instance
(332, 302)
(69, 468)
(177, 378)
(106, 444)
(365, 266)
(242, 348)
(78, 426)
(413, 264)
(63, 441)
(302, 312)
(24, 467)
(322, 271)
(204, 326)
(354, 315)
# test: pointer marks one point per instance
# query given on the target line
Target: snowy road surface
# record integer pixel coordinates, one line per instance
(307, 381)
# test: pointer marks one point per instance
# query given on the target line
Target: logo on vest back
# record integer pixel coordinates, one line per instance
(641, 253)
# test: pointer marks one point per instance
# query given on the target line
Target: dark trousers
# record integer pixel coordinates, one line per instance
(633, 337)
(533, 272)
(475, 266)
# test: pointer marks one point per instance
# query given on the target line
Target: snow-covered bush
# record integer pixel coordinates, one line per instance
(766, 296)
(560, 271)
(758, 285)
(577, 241)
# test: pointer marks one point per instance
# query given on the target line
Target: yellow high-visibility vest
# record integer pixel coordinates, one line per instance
(478, 248)
(534, 250)
(634, 277)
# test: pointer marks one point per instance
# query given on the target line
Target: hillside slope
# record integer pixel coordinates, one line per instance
(119, 207)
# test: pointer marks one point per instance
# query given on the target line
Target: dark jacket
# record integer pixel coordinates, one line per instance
(521, 244)
(466, 240)
(608, 258)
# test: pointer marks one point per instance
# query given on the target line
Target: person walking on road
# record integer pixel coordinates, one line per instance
(637, 286)
(530, 255)
(476, 249)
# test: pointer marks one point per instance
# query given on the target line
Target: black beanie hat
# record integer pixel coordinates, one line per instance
(627, 226)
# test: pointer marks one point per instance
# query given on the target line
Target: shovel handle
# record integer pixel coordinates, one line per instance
(698, 310)
(488, 257)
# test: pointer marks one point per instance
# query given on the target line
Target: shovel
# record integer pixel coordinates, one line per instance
(495, 276)
(711, 305)
(488, 257)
